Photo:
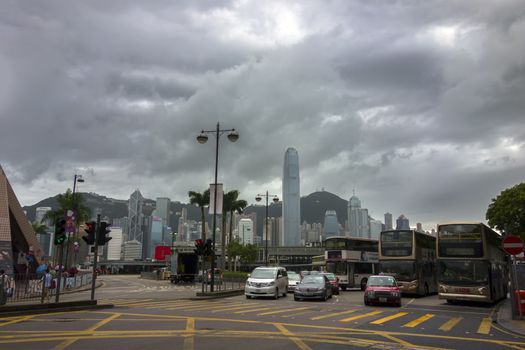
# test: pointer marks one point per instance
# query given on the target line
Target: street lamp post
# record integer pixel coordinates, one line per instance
(76, 178)
(275, 199)
(203, 138)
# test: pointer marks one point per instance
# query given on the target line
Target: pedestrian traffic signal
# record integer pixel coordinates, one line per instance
(208, 247)
(103, 232)
(60, 231)
(91, 231)
(199, 247)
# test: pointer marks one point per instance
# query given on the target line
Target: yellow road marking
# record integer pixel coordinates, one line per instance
(389, 318)
(21, 319)
(356, 317)
(252, 310)
(221, 306)
(93, 328)
(484, 327)
(282, 311)
(418, 321)
(130, 302)
(447, 326)
(235, 308)
(302, 345)
(334, 314)
(189, 341)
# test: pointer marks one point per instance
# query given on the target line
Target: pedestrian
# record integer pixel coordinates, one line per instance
(47, 281)
(3, 282)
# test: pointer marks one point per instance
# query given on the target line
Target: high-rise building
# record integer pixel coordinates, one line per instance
(156, 236)
(419, 227)
(162, 209)
(331, 225)
(291, 234)
(132, 250)
(245, 231)
(135, 216)
(376, 227)
(358, 224)
(388, 221)
(402, 223)
(114, 246)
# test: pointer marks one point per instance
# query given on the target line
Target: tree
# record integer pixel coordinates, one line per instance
(230, 204)
(201, 200)
(234, 250)
(249, 253)
(65, 202)
(38, 228)
(507, 211)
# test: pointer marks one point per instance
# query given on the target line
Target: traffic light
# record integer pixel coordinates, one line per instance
(90, 230)
(199, 247)
(60, 231)
(103, 231)
(208, 247)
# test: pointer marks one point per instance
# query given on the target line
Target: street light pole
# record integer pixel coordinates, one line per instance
(275, 200)
(202, 138)
(76, 178)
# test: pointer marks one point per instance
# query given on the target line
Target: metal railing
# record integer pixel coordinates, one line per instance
(30, 287)
(222, 284)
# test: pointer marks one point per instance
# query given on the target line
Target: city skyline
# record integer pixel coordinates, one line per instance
(418, 107)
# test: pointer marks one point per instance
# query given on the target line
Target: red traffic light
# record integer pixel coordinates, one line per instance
(198, 243)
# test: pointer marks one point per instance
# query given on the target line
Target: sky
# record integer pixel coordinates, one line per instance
(417, 106)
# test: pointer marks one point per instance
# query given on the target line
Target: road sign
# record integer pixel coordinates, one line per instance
(513, 245)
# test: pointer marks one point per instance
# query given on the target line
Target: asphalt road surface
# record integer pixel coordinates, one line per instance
(158, 315)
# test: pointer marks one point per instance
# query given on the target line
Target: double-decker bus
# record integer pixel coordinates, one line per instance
(410, 256)
(352, 260)
(471, 263)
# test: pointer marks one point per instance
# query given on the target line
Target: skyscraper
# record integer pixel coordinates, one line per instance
(358, 224)
(135, 216)
(388, 221)
(402, 223)
(331, 225)
(291, 199)
(245, 229)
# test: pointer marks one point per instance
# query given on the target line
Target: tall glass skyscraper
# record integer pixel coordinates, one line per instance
(291, 199)
(135, 216)
(358, 224)
(331, 225)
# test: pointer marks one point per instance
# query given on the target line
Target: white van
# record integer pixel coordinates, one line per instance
(267, 281)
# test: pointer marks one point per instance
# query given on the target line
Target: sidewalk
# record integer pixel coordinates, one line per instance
(504, 319)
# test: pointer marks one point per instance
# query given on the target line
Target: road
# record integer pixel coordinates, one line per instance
(155, 314)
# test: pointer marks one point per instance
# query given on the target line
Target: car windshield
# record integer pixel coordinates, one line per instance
(312, 279)
(330, 276)
(385, 281)
(263, 273)
(293, 276)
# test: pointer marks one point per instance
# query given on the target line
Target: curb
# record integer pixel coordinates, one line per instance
(503, 318)
(32, 309)
(216, 295)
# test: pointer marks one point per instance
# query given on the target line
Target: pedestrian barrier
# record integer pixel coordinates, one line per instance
(30, 287)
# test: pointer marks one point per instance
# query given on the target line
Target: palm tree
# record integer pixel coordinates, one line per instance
(65, 202)
(38, 228)
(230, 205)
(201, 200)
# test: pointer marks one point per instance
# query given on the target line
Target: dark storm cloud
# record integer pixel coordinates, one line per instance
(408, 103)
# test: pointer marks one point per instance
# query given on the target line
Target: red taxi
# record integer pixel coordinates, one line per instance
(382, 290)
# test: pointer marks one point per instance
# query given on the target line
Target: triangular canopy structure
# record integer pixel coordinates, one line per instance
(16, 233)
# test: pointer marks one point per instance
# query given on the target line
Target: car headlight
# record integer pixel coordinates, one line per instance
(483, 291)
(443, 288)
(272, 283)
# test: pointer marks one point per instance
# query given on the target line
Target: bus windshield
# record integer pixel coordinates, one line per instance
(460, 241)
(396, 243)
(464, 272)
(402, 270)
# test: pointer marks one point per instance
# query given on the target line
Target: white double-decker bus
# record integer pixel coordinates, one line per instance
(471, 263)
(352, 260)
(410, 256)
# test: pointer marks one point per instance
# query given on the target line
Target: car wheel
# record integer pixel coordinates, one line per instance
(363, 283)
(343, 288)
(296, 298)
(276, 295)
(285, 293)
(426, 290)
(367, 303)
(325, 296)
(248, 297)
(398, 304)
(337, 291)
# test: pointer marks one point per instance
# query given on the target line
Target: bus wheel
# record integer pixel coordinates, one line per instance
(426, 290)
(363, 283)
(450, 301)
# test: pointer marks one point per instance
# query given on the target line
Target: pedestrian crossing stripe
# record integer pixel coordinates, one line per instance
(334, 314)
(229, 308)
(252, 310)
(484, 327)
(418, 321)
(389, 318)
(282, 311)
(356, 317)
(447, 326)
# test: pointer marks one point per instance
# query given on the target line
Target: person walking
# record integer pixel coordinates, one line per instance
(46, 290)
(3, 283)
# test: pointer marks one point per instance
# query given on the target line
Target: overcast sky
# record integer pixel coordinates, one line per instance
(417, 105)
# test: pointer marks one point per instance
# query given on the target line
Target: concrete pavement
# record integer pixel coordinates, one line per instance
(504, 319)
